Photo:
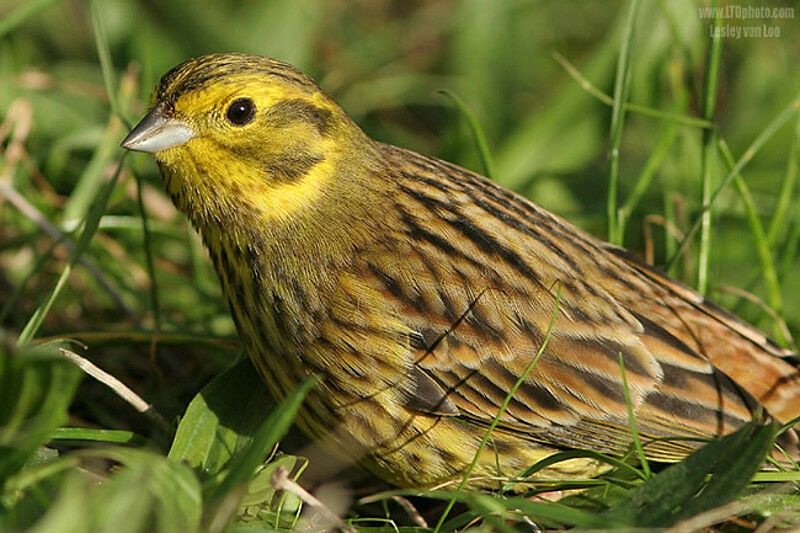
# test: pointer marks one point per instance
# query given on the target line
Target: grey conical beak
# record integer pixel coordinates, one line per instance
(157, 132)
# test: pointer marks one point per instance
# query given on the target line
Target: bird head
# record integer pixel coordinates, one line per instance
(236, 129)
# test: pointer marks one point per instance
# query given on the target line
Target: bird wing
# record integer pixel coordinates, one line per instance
(477, 273)
(738, 349)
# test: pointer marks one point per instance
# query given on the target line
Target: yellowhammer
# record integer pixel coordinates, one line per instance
(422, 292)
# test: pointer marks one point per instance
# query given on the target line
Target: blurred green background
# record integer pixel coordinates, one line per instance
(146, 306)
(384, 61)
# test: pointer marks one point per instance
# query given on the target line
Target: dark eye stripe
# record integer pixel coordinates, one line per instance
(286, 112)
(292, 167)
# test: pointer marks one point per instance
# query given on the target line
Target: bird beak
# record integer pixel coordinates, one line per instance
(157, 132)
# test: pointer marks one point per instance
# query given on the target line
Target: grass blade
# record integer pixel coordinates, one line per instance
(151, 269)
(592, 89)
(477, 132)
(106, 65)
(766, 134)
(709, 150)
(89, 228)
(779, 218)
(646, 177)
(114, 436)
(761, 241)
(637, 443)
(621, 85)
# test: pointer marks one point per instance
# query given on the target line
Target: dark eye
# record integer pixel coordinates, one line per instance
(241, 111)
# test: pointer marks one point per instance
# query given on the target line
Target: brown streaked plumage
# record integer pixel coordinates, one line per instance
(422, 292)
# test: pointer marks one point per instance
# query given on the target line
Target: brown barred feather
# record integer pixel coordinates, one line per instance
(675, 376)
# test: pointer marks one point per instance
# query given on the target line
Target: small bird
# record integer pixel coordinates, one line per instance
(423, 294)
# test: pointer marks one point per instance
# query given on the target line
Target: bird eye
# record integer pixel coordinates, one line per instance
(241, 111)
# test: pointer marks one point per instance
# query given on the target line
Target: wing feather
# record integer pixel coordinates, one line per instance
(475, 271)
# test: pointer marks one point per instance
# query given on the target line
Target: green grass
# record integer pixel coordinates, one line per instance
(612, 114)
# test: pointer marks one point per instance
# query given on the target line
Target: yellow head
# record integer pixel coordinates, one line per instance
(237, 134)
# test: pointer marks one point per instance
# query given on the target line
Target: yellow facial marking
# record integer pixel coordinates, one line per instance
(209, 170)
(265, 95)
(276, 165)
(286, 198)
